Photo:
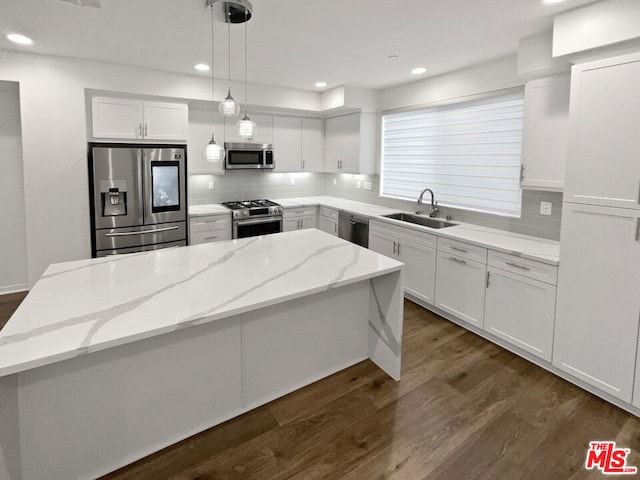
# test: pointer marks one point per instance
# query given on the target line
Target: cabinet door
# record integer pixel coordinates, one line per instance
(287, 143)
(350, 148)
(290, 223)
(460, 287)
(166, 121)
(264, 125)
(329, 225)
(382, 244)
(546, 125)
(312, 145)
(521, 311)
(210, 228)
(419, 269)
(596, 331)
(603, 164)
(117, 118)
(308, 221)
(333, 144)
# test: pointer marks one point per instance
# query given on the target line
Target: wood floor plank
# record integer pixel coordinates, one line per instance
(8, 304)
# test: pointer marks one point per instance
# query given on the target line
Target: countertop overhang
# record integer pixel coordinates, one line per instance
(90, 305)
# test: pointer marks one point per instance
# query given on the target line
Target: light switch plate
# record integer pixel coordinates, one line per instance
(210, 185)
(292, 181)
(545, 208)
(335, 181)
(368, 186)
(359, 184)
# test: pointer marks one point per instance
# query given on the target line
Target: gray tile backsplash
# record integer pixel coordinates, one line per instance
(247, 184)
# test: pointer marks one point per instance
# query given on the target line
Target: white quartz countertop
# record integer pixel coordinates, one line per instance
(209, 209)
(89, 305)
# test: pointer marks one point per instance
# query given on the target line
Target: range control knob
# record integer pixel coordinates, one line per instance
(245, 213)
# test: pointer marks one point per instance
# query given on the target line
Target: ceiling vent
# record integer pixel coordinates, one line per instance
(101, 4)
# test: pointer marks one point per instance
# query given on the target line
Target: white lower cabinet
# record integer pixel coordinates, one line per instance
(416, 250)
(460, 287)
(299, 218)
(596, 333)
(519, 309)
(209, 228)
(328, 220)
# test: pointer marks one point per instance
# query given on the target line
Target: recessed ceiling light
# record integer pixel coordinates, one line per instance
(321, 84)
(21, 39)
(418, 70)
(201, 67)
(552, 1)
(392, 57)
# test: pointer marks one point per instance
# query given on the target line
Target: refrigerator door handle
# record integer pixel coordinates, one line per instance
(141, 232)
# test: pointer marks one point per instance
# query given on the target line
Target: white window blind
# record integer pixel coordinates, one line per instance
(467, 153)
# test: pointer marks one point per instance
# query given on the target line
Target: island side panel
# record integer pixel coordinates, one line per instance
(10, 465)
(293, 344)
(85, 417)
(385, 322)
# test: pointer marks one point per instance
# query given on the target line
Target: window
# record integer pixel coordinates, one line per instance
(467, 153)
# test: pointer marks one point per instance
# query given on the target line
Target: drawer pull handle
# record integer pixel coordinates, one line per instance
(458, 260)
(638, 229)
(458, 249)
(211, 238)
(521, 267)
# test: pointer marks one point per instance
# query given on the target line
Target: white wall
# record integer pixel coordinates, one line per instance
(13, 252)
(53, 115)
(494, 75)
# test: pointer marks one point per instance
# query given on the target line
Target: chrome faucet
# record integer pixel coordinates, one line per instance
(434, 204)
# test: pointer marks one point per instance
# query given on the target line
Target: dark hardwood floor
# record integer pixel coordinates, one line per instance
(464, 409)
(8, 305)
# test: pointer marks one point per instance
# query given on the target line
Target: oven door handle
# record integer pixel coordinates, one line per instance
(258, 220)
(142, 232)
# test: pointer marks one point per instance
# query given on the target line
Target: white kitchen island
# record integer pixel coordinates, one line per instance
(108, 360)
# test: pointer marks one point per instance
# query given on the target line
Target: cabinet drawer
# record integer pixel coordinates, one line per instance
(525, 267)
(462, 249)
(209, 223)
(300, 212)
(210, 236)
(329, 212)
(403, 234)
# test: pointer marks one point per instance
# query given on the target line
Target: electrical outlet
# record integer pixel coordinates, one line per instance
(545, 208)
(292, 181)
(359, 184)
(368, 186)
(210, 185)
(335, 181)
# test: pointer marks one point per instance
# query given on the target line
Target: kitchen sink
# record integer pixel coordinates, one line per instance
(418, 220)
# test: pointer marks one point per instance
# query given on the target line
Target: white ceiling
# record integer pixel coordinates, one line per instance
(292, 43)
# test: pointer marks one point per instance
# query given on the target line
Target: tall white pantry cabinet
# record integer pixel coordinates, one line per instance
(598, 311)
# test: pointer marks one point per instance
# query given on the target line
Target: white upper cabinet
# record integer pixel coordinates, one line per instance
(598, 306)
(132, 119)
(312, 145)
(287, 144)
(603, 164)
(546, 124)
(350, 143)
(263, 122)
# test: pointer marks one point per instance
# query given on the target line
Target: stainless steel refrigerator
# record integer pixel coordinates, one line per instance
(138, 198)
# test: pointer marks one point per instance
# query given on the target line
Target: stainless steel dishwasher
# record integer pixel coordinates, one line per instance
(354, 228)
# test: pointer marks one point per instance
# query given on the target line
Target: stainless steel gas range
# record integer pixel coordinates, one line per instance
(255, 217)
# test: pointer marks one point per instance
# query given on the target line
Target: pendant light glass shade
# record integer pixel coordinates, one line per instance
(214, 152)
(246, 128)
(229, 107)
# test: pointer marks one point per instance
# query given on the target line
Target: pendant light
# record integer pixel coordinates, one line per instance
(229, 107)
(246, 128)
(214, 153)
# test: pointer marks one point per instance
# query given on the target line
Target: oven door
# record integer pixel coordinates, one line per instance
(256, 226)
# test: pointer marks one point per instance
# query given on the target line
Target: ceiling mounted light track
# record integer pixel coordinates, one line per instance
(231, 11)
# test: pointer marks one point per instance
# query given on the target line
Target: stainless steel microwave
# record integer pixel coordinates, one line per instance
(248, 155)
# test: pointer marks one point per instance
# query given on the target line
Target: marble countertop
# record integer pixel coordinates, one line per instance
(209, 209)
(525, 246)
(90, 305)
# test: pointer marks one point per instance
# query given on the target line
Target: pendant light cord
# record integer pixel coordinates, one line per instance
(246, 100)
(213, 79)
(229, 40)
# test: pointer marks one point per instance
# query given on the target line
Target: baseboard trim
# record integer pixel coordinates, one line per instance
(23, 287)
